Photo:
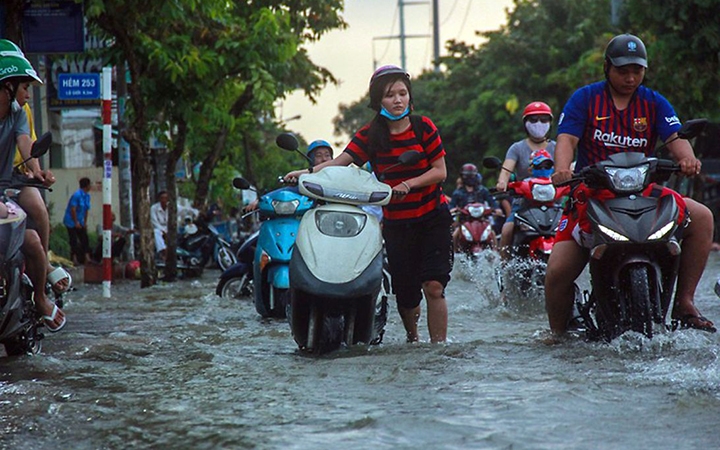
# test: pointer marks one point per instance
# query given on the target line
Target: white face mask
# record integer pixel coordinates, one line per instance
(538, 129)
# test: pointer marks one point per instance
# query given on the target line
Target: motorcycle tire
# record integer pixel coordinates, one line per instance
(278, 305)
(640, 301)
(236, 288)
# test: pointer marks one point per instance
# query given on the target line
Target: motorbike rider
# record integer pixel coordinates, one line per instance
(416, 223)
(471, 191)
(319, 151)
(637, 116)
(537, 120)
(15, 69)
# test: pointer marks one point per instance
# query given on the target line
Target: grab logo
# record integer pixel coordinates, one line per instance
(8, 70)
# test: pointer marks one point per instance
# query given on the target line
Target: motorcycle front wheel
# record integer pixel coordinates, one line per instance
(235, 288)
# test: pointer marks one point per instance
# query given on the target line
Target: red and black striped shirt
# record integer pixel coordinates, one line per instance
(420, 202)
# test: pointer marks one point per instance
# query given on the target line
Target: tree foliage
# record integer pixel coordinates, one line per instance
(206, 71)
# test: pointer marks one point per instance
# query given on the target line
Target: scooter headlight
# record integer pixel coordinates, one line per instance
(285, 208)
(630, 179)
(543, 192)
(340, 224)
(659, 234)
(612, 234)
(476, 211)
(467, 235)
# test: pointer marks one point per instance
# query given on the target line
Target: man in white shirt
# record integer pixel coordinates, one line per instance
(159, 220)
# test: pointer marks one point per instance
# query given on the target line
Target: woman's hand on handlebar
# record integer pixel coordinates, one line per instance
(292, 177)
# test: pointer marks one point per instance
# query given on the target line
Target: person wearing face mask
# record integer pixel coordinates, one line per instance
(537, 118)
(417, 221)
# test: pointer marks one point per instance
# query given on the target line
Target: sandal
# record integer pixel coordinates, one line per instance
(694, 321)
(51, 320)
(56, 276)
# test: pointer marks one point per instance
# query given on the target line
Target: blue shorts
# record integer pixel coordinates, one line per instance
(515, 208)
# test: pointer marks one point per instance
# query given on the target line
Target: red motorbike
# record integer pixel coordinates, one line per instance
(537, 219)
(476, 231)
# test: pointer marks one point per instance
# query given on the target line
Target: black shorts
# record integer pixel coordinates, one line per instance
(419, 252)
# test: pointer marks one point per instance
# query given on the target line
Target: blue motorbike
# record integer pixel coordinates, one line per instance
(281, 210)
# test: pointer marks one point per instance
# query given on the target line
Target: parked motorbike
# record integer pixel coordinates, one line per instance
(281, 211)
(337, 293)
(20, 322)
(635, 249)
(476, 229)
(237, 280)
(198, 244)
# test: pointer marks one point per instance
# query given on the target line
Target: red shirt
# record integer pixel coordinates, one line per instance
(420, 201)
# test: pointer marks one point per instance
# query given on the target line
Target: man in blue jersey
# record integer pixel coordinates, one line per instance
(613, 116)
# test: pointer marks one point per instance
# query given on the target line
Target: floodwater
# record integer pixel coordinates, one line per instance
(175, 366)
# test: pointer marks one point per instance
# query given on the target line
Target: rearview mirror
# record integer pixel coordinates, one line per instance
(241, 183)
(491, 162)
(287, 141)
(41, 146)
(692, 128)
(410, 157)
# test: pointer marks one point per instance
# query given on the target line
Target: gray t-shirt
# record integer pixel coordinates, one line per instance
(11, 127)
(520, 152)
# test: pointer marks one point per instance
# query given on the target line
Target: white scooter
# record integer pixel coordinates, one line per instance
(337, 293)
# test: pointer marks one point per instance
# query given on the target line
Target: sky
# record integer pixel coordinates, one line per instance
(351, 55)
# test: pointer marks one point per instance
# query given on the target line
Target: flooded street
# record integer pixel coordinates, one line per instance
(175, 366)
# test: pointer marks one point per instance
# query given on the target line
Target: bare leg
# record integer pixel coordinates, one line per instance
(696, 245)
(506, 240)
(437, 311)
(566, 263)
(36, 263)
(32, 202)
(410, 318)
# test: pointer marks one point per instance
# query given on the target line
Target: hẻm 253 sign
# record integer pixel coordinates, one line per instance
(78, 86)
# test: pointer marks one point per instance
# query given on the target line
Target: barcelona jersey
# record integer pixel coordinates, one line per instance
(603, 130)
(419, 202)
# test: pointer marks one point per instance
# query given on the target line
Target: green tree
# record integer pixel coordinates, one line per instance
(182, 54)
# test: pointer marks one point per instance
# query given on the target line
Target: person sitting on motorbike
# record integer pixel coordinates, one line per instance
(537, 119)
(471, 191)
(159, 221)
(318, 152)
(15, 69)
(621, 106)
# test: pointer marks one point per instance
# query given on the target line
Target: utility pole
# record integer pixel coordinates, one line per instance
(436, 35)
(402, 36)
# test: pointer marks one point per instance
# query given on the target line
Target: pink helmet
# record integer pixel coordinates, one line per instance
(537, 109)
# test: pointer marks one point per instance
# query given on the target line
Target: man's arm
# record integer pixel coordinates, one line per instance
(682, 152)
(564, 154)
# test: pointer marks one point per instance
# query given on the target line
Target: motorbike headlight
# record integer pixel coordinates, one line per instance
(340, 224)
(543, 192)
(659, 234)
(285, 208)
(476, 211)
(630, 179)
(466, 234)
(614, 235)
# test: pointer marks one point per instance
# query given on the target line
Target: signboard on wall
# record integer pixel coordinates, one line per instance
(53, 27)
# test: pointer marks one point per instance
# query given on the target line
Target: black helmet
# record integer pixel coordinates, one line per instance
(389, 72)
(469, 174)
(626, 49)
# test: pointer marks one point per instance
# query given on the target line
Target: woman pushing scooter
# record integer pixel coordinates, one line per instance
(416, 222)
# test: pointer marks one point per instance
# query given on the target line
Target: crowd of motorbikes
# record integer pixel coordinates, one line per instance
(318, 259)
